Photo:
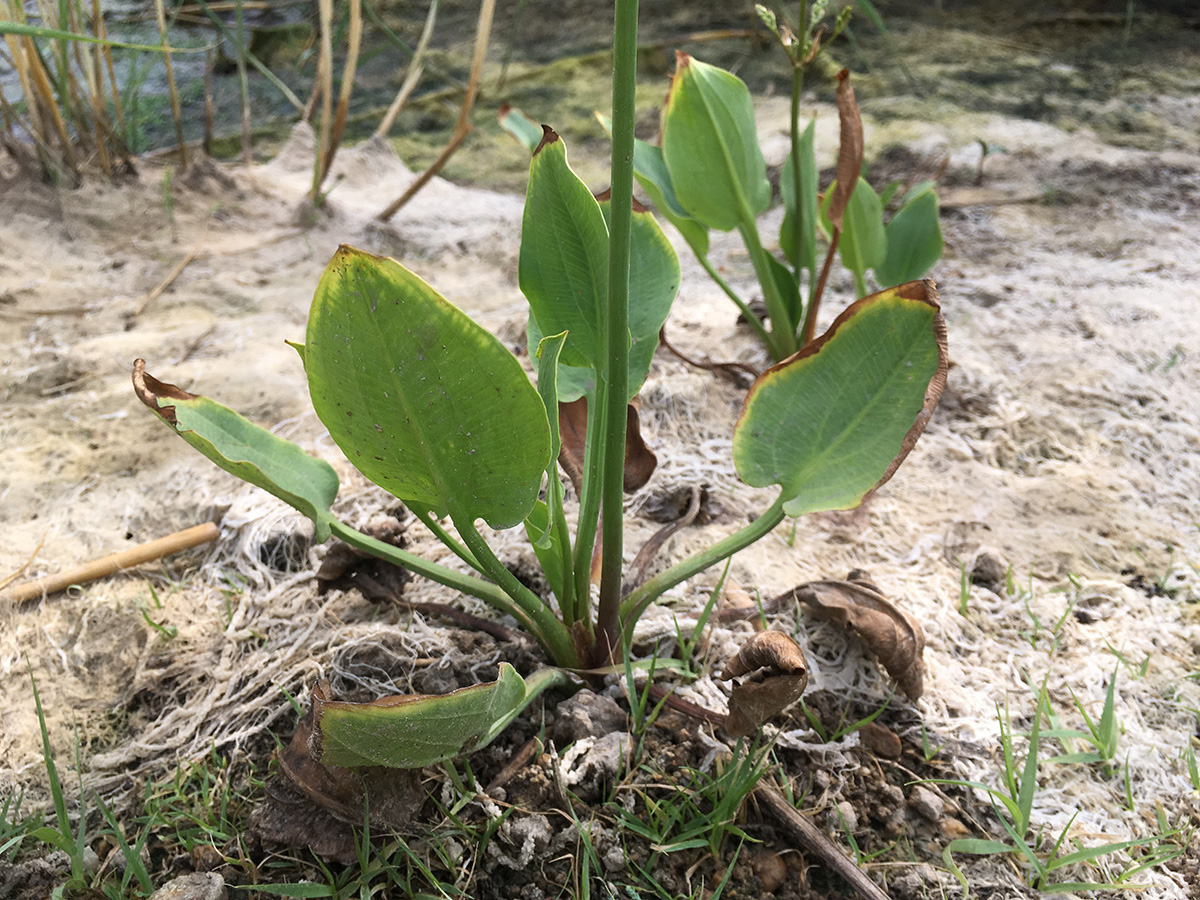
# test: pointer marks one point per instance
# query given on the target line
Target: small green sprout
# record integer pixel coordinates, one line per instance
(1044, 856)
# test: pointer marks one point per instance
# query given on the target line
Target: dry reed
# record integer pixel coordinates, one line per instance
(323, 90)
(333, 137)
(65, 84)
(243, 81)
(176, 108)
(72, 114)
(411, 77)
(463, 127)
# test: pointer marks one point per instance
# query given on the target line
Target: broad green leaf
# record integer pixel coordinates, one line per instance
(710, 146)
(527, 132)
(864, 242)
(806, 218)
(244, 449)
(650, 170)
(886, 195)
(913, 192)
(834, 421)
(573, 382)
(563, 264)
(415, 730)
(421, 399)
(651, 173)
(654, 277)
(648, 163)
(55, 838)
(914, 241)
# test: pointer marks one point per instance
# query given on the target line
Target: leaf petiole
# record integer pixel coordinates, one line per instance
(636, 601)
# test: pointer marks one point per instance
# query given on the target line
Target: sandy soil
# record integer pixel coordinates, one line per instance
(1067, 446)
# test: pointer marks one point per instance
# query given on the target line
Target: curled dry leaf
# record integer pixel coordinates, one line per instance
(640, 460)
(776, 674)
(150, 391)
(895, 637)
(850, 153)
(736, 597)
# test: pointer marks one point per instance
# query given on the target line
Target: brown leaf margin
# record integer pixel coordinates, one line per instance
(923, 291)
(150, 390)
(926, 292)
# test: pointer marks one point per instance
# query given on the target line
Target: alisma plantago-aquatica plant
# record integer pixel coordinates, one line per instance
(434, 409)
(707, 173)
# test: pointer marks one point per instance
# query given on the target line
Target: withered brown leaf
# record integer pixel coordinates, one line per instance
(895, 637)
(150, 391)
(640, 460)
(776, 674)
(850, 152)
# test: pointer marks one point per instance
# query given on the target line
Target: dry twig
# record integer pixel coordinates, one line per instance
(463, 127)
(116, 562)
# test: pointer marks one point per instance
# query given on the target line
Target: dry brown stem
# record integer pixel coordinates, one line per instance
(116, 562)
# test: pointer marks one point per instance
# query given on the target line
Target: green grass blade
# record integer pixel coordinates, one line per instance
(1028, 784)
(21, 29)
(303, 889)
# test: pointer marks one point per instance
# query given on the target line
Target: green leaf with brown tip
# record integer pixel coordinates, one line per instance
(710, 146)
(244, 449)
(562, 268)
(654, 277)
(422, 400)
(833, 422)
(527, 132)
(415, 730)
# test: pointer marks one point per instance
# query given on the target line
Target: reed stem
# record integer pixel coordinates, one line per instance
(411, 77)
(347, 88)
(176, 109)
